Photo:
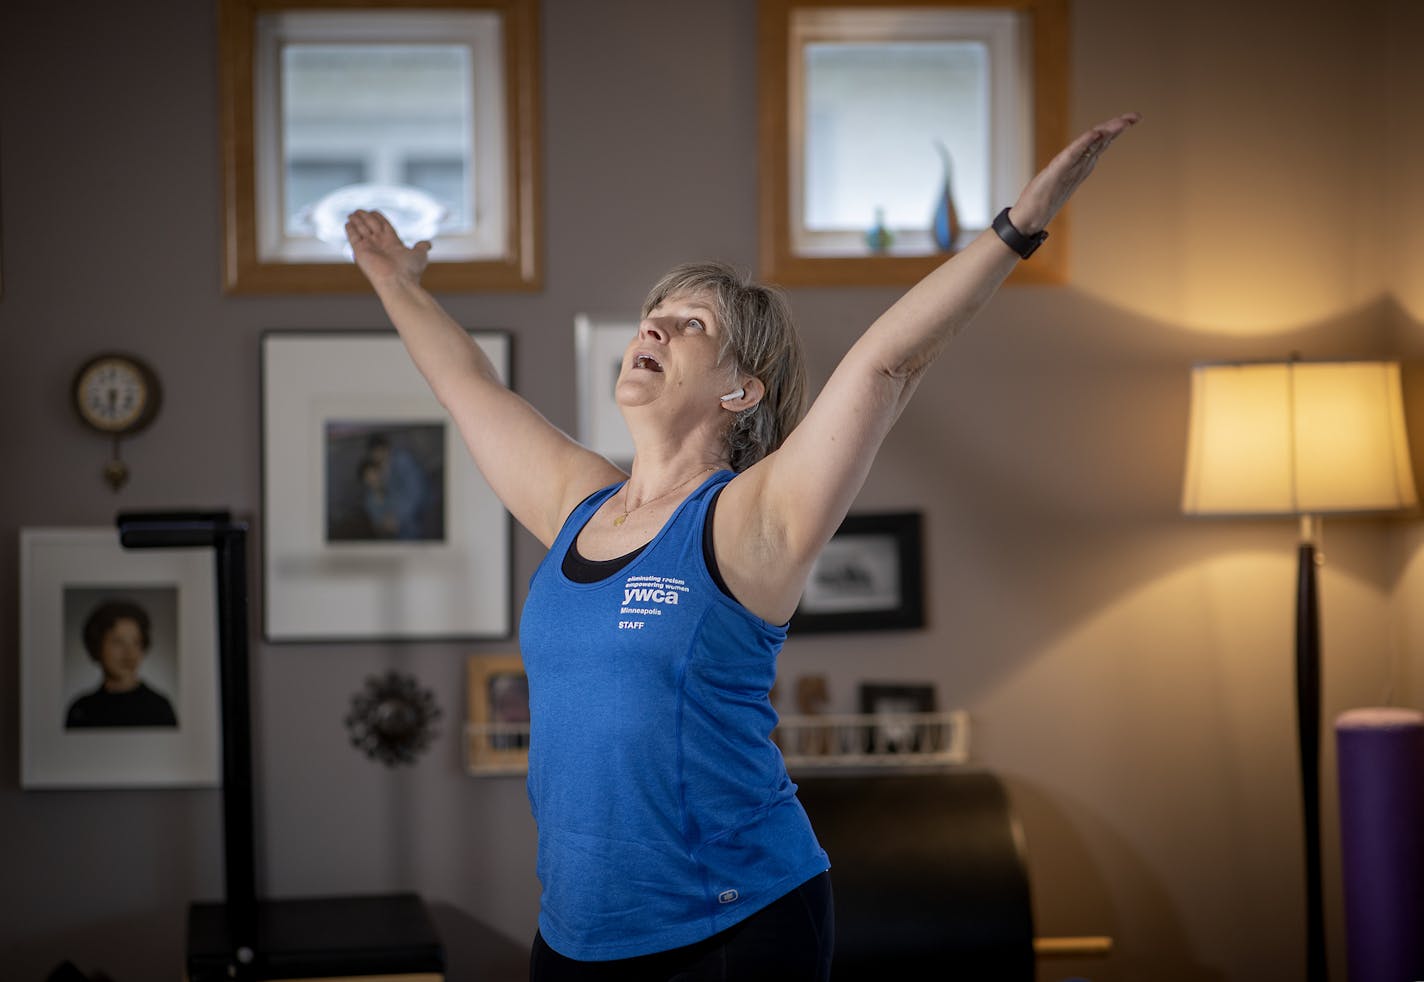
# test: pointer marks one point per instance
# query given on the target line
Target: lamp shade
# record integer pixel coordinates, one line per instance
(1297, 438)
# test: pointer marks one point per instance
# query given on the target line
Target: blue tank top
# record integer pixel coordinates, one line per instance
(665, 812)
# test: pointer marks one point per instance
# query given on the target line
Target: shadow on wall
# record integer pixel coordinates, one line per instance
(1058, 850)
(1057, 433)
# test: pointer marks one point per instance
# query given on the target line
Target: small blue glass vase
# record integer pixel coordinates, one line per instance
(879, 237)
(945, 225)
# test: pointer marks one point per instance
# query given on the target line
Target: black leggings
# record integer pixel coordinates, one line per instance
(790, 940)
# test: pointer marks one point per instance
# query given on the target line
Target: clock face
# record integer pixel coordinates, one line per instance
(116, 393)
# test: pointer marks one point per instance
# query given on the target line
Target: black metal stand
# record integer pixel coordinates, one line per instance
(243, 939)
(228, 540)
(1307, 695)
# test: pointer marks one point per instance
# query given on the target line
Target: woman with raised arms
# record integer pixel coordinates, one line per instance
(671, 842)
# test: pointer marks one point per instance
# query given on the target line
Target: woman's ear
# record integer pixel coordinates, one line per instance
(744, 396)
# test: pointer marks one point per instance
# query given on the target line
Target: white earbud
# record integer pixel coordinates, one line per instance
(734, 394)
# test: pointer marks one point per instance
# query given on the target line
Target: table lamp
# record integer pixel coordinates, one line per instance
(1305, 439)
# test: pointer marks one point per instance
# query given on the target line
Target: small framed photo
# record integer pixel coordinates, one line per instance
(869, 577)
(897, 718)
(377, 525)
(118, 663)
(497, 734)
(600, 345)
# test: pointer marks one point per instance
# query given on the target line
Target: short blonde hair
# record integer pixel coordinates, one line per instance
(759, 339)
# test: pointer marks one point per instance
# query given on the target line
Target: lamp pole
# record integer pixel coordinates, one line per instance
(1307, 700)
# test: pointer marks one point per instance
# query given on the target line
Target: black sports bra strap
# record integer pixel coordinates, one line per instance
(709, 556)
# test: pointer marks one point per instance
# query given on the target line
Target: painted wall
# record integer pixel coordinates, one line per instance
(1128, 670)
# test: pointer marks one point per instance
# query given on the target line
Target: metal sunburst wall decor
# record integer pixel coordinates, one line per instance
(392, 719)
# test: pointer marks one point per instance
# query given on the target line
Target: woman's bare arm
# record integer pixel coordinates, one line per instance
(536, 470)
(788, 505)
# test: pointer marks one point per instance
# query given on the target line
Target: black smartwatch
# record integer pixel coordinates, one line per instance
(1024, 245)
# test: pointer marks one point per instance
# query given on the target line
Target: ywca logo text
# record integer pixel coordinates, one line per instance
(665, 590)
(640, 592)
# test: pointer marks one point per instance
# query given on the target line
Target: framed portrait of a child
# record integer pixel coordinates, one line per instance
(118, 663)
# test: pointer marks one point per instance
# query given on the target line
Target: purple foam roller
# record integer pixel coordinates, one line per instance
(1381, 763)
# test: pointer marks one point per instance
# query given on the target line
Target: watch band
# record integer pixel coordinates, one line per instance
(1024, 245)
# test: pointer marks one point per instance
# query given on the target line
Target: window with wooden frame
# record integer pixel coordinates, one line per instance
(891, 134)
(426, 109)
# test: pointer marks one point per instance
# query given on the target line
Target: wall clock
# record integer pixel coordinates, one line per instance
(116, 395)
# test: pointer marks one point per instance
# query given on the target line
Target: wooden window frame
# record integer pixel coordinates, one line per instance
(244, 271)
(1048, 32)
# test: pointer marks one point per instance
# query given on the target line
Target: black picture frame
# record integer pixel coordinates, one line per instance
(869, 577)
(886, 700)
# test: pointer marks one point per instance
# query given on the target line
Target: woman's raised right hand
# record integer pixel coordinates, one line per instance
(379, 252)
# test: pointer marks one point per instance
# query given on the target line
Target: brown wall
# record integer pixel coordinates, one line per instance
(1128, 670)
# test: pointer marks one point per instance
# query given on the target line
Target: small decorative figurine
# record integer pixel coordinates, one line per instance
(879, 237)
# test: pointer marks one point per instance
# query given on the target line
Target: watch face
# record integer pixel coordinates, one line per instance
(115, 394)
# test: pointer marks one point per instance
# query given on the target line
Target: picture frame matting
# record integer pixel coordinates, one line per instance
(66, 576)
(350, 550)
(600, 344)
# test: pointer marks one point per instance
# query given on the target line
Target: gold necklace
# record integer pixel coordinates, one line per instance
(618, 522)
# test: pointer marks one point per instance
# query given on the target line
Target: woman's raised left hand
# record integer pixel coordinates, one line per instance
(1051, 187)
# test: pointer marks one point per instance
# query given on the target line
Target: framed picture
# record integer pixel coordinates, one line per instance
(868, 577)
(497, 735)
(118, 663)
(376, 523)
(600, 345)
(897, 721)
